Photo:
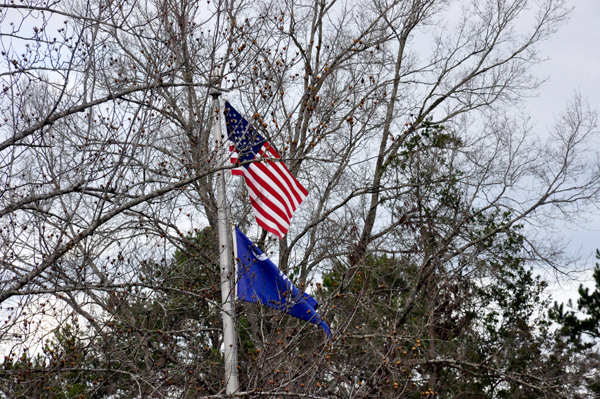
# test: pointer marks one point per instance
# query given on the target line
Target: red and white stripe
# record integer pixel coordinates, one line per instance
(234, 159)
(274, 193)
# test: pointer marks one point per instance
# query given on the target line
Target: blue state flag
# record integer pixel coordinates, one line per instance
(260, 281)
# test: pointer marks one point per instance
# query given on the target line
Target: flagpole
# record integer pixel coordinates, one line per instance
(235, 262)
(229, 342)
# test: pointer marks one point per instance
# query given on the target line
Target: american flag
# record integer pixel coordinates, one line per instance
(274, 193)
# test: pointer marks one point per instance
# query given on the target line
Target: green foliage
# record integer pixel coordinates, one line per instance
(154, 330)
(66, 368)
(578, 333)
(488, 314)
(581, 330)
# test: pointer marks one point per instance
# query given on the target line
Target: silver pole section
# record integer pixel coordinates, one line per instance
(235, 262)
(230, 350)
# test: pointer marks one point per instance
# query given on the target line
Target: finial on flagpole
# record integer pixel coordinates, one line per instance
(214, 83)
(215, 92)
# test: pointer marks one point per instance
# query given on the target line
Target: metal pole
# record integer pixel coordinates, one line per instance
(230, 350)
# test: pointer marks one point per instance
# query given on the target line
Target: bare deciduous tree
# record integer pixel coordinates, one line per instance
(418, 236)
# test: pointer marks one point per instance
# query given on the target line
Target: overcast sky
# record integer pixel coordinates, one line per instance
(574, 66)
(574, 63)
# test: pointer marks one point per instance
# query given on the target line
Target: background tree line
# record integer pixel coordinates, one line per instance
(420, 236)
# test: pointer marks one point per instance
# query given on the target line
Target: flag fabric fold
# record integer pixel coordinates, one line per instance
(274, 192)
(260, 281)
